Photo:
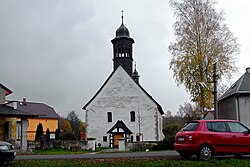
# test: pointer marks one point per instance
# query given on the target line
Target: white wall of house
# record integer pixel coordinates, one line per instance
(244, 110)
(120, 96)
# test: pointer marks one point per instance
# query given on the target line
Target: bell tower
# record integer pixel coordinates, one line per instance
(122, 49)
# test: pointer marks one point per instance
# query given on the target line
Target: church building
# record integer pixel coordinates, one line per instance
(121, 108)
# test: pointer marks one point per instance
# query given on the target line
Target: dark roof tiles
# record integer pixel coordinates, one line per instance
(40, 109)
(6, 111)
(241, 86)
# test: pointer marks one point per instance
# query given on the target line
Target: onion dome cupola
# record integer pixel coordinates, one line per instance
(122, 49)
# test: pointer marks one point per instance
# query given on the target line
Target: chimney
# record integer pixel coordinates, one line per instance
(15, 105)
(248, 70)
(24, 100)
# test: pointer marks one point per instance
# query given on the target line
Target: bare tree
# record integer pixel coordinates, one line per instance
(201, 40)
(140, 122)
(222, 89)
(190, 111)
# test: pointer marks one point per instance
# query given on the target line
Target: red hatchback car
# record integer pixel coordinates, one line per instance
(206, 138)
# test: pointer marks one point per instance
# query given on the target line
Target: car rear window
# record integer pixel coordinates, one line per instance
(217, 126)
(190, 126)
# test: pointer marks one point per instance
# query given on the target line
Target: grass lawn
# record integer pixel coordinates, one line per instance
(59, 151)
(135, 162)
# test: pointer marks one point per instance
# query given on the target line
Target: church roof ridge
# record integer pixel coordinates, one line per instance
(110, 76)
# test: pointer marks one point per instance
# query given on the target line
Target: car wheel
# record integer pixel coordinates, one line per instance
(205, 153)
(185, 156)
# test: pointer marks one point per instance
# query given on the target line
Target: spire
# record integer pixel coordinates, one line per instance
(135, 75)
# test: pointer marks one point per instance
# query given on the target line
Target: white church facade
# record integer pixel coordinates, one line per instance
(121, 108)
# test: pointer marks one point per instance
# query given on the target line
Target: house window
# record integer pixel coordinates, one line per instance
(131, 138)
(109, 117)
(137, 138)
(105, 139)
(132, 116)
(7, 130)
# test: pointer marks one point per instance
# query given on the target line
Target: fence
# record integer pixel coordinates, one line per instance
(72, 145)
(137, 146)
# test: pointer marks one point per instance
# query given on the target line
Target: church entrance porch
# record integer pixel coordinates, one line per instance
(119, 130)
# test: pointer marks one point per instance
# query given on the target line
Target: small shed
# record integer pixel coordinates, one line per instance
(235, 102)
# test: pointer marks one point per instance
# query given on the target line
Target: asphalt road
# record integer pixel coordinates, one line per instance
(99, 155)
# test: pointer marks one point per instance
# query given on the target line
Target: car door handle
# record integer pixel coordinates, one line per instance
(211, 136)
(234, 136)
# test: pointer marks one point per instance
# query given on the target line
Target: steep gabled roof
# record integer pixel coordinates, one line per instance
(7, 91)
(120, 125)
(158, 106)
(241, 86)
(7, 111)
(40, 109)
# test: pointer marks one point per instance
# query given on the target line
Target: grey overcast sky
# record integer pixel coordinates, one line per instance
(59, 52)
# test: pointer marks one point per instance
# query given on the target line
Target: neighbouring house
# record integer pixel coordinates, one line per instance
(209, 114)
(46, 115)
(122, 108)
(13, 122)
(235, 102)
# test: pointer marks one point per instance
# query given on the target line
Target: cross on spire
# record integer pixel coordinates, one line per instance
(122, 15)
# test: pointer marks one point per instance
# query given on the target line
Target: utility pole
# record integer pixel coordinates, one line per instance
(215, 78)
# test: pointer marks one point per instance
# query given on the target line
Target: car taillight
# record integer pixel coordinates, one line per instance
(196, 134)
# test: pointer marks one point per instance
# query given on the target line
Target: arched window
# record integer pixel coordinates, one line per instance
(109, 114)
(132, 116)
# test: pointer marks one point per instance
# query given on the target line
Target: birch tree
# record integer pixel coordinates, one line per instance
(202, 38)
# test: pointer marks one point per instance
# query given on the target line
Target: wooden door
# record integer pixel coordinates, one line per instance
(116, 137)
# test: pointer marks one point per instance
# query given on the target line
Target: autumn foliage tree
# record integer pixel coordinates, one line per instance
(71, 126)
(202, 38)
(65, 126)
(76, 124)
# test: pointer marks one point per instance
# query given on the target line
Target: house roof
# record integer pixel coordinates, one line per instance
(120, 124)
(241, 86)
(6, 111)
(40, 109)
(7, 91)
(158, 105)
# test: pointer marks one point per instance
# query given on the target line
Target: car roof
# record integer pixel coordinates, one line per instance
(4, 143)
(216, 120)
